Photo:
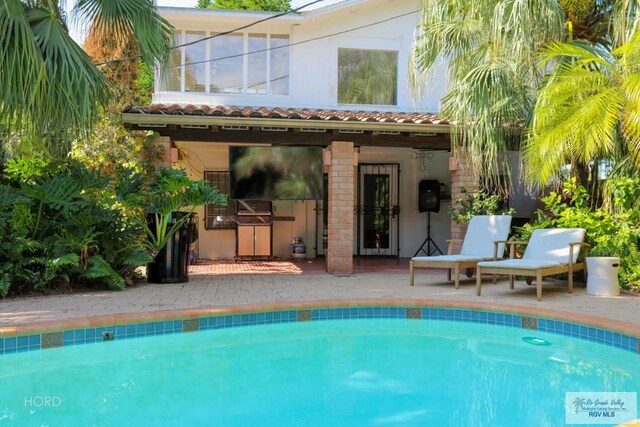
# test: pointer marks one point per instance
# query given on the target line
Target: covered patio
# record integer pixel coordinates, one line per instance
(350, 139)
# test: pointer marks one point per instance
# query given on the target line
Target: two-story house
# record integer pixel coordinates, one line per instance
(336, 79)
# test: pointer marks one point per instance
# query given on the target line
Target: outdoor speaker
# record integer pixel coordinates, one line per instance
(429, 196)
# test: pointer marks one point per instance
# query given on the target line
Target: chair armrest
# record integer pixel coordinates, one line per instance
(450, 246)
(495, 248)
(512, 247)
(581, 244)
(584, 244)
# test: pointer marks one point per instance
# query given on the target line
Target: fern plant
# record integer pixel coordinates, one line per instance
(64, 224)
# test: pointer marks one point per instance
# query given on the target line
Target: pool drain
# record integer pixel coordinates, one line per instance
(536, 341)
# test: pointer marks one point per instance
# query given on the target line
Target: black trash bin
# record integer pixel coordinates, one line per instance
(171, 265)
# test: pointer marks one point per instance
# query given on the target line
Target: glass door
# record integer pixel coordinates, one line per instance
(378, 210)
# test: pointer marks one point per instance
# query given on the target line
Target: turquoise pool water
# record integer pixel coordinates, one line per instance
(341, 372)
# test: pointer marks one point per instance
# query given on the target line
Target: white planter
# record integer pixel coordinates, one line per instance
(602, 276)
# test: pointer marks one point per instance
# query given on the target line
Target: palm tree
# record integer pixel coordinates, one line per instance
(493, 76)
(49, 88)
(587, 110)
(492, 47)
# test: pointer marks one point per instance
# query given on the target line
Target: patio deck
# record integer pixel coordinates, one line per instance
(227, 284)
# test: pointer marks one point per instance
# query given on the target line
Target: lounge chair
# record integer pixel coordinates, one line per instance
(549, 251)
(484, 240)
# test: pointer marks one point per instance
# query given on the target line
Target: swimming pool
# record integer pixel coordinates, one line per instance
(349, 366)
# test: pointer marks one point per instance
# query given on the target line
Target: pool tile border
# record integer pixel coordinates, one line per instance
(44, 335)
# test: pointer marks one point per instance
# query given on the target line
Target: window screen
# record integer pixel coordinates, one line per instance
(218, 217)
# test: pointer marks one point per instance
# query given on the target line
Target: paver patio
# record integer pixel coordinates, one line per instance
(229, 284)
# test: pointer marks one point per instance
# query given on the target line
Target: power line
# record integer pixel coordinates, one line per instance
(224, 33)
(278, 15)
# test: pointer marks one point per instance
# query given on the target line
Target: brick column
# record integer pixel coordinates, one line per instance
(462, 176)
(163, 143)
(341, 194)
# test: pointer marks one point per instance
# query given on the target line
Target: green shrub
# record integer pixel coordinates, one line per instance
(62, 223)
(612, 230)
(477, 202)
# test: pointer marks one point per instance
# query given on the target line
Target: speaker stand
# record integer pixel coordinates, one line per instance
(428, 241)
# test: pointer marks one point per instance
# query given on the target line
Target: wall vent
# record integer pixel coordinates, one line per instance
(194, 126)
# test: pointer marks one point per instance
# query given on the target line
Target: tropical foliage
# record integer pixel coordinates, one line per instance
(496, 78)
(65, 88)
(587, 110)
(478, 202)
(171, 190)
(612, 230)
(493, 75)
(267, 5)
(64, 224)
(131, 80)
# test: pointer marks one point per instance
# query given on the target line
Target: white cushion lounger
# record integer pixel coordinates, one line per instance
(549, 251)
(484, 240)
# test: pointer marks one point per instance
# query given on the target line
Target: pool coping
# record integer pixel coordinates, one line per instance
(59, 333)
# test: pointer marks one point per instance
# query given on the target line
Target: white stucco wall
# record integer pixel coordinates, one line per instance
(413, 224)
(316, 37)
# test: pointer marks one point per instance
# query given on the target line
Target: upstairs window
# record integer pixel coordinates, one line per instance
(226, 67)
(237, 63)
(195, 55)
(367, 77)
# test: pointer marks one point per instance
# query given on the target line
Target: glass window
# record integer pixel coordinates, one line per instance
(195, 65)
(171, 75)
(223, 66)
(226, 64)
(367, 77)
(279, 62)
(257, 64)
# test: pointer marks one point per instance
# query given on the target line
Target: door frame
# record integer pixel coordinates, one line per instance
(394, 211)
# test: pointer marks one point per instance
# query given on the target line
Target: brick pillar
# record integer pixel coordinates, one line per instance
(163, 144)
(462, 176)
(341, 194)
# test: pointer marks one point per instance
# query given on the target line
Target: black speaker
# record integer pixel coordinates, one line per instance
(429, 196)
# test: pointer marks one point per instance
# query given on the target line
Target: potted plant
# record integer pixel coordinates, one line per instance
(171, 198)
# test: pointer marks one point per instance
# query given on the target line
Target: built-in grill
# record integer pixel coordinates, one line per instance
(253, 212)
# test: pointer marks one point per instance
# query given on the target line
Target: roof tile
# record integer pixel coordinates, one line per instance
(289, 113)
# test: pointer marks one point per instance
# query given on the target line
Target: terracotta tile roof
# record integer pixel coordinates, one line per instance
(289, 113)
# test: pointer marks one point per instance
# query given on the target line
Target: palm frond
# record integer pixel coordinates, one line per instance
(136, 258)
(124, 18)
(99, 268)
(22, 69)
(493, 75)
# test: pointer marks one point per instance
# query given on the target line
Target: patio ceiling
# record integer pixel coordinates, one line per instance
(290, 126)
